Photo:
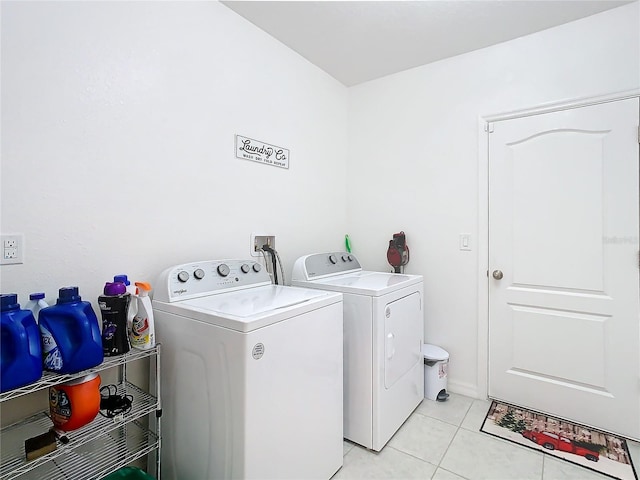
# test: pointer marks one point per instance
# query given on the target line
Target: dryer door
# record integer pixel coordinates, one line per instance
(402, 337)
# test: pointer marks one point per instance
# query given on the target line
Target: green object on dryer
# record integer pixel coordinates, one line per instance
(347, 243)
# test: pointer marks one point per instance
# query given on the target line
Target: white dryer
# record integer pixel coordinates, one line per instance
(251, 377)
(383, 332)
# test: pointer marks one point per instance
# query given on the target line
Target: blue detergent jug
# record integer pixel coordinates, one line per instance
(70, 333)
(20, 351)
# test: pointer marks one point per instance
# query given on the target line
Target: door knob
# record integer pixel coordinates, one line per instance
(497, 274)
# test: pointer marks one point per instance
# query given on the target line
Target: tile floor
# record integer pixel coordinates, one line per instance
(442, 441)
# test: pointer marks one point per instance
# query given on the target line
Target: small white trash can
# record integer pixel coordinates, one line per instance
(436, 365)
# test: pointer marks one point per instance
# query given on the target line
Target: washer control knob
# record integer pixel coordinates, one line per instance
(350, 257)
(183, 276)
(199, 274)
(223, 269)
(345, 258)
(257, 267)
(245, 268)
(333, 259)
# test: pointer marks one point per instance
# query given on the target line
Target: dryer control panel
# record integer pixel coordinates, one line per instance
(318, 265)
(191, 280)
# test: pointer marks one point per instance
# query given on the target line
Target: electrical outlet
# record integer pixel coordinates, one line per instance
(12, 249)
(258, 240)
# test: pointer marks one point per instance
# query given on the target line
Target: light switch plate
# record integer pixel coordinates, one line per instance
(465, 241)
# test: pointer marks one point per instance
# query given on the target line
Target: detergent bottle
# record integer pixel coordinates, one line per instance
(36, 303)
(142, 332)
(133, 304)
(70, 334)
(74, 404)
(114, 304)
(20, 351)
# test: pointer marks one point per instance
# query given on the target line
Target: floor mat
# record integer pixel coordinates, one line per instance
(593, 449)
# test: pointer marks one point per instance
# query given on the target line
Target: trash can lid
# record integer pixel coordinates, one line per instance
(433, 352)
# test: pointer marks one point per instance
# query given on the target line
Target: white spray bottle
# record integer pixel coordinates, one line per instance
(142, 334)
(35, 304)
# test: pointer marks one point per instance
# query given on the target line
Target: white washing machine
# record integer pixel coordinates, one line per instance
(383, 332)
(251, 377)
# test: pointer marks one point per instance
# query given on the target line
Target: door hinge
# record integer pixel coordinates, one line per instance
(488, 127)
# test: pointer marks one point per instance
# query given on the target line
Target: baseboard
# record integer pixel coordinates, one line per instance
(464, 388)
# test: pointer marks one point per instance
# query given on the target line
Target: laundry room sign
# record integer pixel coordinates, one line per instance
(261, 152)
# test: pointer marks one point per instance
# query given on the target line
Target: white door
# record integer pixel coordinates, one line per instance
(563, 234)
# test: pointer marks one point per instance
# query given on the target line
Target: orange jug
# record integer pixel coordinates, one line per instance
(74, 404)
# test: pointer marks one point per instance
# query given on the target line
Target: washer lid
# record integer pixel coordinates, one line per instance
(364, 283)
(251, 308)
(433, 352)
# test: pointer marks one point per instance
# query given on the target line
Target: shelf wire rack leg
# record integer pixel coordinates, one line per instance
(158, 419)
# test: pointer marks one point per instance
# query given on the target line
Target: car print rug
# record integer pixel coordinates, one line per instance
(601, 452)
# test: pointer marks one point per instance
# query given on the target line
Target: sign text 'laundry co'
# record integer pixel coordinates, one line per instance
(257, 151)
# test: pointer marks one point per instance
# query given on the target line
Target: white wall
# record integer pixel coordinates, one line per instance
(414, 155)
(118, 124)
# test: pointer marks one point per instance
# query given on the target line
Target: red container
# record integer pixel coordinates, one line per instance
(74, 404)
